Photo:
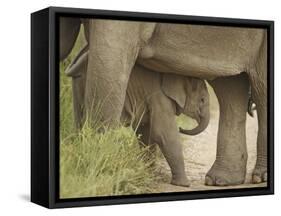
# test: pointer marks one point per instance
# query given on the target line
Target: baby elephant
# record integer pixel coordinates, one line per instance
(152, 101)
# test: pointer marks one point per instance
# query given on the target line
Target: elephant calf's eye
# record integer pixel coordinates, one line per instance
(202, 100)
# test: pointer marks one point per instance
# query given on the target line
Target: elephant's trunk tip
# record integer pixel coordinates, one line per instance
(204, 122)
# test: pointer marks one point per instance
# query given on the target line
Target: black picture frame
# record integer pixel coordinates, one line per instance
(45, 107)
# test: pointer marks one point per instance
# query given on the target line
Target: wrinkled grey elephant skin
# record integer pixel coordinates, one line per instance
(231, 58)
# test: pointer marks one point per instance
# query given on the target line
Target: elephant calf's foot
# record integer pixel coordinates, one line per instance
(224, 176)
(259, 174)
(183, 181)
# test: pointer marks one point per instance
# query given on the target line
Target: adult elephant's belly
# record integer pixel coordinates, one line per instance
(200, 51)
(193, 66)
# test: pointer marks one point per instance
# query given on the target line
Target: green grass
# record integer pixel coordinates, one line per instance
(98, 164)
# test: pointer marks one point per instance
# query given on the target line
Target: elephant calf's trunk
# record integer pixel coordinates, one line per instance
(202, 125)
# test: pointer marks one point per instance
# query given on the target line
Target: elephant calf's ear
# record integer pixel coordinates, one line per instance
(173, 87)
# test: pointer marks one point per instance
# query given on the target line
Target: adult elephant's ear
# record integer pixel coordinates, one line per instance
(173, 87)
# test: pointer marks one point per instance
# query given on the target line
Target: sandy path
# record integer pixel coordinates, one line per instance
(200, 153)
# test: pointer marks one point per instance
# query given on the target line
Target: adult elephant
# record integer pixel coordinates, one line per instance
(219, 54)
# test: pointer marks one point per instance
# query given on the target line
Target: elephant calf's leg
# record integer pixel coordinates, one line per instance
(165, 133)
(229, 167)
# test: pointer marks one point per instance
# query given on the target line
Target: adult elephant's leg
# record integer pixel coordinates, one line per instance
(78, 71)
(259, 91)
(78, 92)
(229, 167)
(260, 171)
(113, 49)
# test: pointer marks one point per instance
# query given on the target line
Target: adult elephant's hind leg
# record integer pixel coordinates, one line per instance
(229, 167)
(259, 89)
(260, 172)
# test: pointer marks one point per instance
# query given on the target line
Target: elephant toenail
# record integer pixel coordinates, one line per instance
(264, 177)
(209, 181)
(220, 182)
(256, 179)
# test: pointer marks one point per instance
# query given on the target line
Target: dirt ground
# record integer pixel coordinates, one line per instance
(200, 153)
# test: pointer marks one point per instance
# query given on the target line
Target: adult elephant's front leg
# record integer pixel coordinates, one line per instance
(113, 48)
(229, 167)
